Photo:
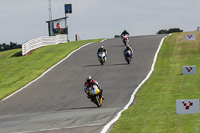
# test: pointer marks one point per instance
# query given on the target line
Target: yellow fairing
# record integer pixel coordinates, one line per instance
(102, 59)
(101, 100)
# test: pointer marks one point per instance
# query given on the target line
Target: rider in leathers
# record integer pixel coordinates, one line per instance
(100, 50)
(123, 34)
(128, 47)
(89, 83)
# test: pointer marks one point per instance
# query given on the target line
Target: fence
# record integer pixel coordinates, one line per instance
(43, 41)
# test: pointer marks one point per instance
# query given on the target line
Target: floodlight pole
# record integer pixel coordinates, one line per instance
(50, 13)
(50, 19)
(66, 26)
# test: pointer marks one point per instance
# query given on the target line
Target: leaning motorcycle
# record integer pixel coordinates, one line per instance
(95, 95)
(125, 39)
(128, 56)
(102, 57)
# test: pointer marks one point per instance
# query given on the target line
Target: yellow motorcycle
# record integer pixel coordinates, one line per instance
(95, 95)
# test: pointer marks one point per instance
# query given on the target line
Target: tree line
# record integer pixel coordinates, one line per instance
(164, 31)
(4, 46)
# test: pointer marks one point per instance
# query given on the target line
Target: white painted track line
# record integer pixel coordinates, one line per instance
(106, 127)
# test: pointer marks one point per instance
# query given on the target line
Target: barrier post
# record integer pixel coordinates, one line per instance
(25, 49)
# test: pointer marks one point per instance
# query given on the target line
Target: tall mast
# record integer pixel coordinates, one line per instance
(50, 13)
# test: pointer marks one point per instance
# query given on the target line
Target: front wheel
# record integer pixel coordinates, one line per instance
(102, 61)
(97, 99)
(128, 60)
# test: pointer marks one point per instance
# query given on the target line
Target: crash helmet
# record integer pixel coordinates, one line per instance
(88, 79)
(102, 47)
(125, 31)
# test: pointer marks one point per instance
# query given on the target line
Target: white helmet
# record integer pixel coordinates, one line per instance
(88, 79)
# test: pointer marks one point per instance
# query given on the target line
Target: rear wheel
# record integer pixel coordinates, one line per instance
(125, 42)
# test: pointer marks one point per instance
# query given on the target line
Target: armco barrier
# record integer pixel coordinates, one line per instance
(43, 41)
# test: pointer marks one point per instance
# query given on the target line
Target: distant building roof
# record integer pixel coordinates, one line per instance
(56, 19)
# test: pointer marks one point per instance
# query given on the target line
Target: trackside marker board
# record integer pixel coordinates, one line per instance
(189, 69)
(187, 106)
(189, 36)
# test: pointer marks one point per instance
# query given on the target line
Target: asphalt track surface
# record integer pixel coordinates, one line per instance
(57, 102)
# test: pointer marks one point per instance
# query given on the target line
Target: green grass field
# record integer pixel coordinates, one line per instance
(16, 71)
(154, 109)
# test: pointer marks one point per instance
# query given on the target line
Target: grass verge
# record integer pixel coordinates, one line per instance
(154, 110)
(16, 71)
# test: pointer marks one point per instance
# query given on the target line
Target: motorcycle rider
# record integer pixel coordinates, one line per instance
(124, 33)
(128, 47)
(89, 83)
(100, 50)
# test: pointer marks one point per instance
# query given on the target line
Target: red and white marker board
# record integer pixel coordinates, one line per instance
(189, 36)
(189, 69)
(187, 106)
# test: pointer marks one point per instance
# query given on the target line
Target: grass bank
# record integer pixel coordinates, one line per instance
(16, 71)
(154, 110)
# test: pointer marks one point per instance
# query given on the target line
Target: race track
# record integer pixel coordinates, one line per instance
(57, 102)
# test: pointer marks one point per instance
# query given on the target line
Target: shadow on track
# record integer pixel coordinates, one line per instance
(105, 65)
(119, 46)
(93, 107)
(117, 64)
(91, 65)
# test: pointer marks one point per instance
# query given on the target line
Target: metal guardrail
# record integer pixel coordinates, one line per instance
(43, 41)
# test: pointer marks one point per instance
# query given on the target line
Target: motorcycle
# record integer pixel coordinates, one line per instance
(125, 39)
(128, 56)
(102, 57)
(95, 95)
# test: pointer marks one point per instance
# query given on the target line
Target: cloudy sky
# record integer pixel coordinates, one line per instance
(23, 20)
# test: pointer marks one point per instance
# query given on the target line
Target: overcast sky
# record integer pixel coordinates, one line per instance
(23, 20)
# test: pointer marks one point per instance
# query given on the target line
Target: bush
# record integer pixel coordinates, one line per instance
(117, 36)
(164, 31)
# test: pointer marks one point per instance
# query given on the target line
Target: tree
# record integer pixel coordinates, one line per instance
(116, 36)
(175, 30)
(164, 31)
(4, 46)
